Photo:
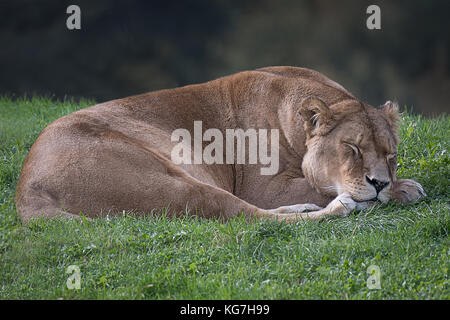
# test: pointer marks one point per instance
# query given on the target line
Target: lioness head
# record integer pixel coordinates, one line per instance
(351, 147)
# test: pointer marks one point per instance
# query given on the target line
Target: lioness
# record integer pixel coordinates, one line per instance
(335, 152)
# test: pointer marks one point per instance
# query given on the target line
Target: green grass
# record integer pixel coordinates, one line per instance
(158, 258)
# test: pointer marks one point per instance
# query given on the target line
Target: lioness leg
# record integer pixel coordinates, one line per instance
(200, 199)
(341, 206)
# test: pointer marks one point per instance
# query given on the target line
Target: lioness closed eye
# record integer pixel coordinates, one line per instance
(334, 152)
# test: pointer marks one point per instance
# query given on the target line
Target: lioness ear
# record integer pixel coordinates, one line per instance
(390, 109)
(316, 115)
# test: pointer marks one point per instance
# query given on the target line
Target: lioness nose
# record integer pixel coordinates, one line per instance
(379, 185)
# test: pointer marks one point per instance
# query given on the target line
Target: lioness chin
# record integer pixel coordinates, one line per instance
(335, 153)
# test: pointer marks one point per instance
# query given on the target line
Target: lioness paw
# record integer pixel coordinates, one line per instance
(342, 205)
(407, 190)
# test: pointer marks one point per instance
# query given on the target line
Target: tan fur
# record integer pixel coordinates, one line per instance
(115, 156)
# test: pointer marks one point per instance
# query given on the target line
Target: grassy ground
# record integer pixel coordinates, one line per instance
(158, 258)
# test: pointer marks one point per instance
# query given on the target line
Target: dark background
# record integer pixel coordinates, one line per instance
(131, 47)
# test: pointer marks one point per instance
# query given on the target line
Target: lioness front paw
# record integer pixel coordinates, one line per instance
(342, 205)
(407, 190)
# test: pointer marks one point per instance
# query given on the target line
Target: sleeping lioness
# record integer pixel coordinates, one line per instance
(335, 153)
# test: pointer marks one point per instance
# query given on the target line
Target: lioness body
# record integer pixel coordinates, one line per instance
(116, 155)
